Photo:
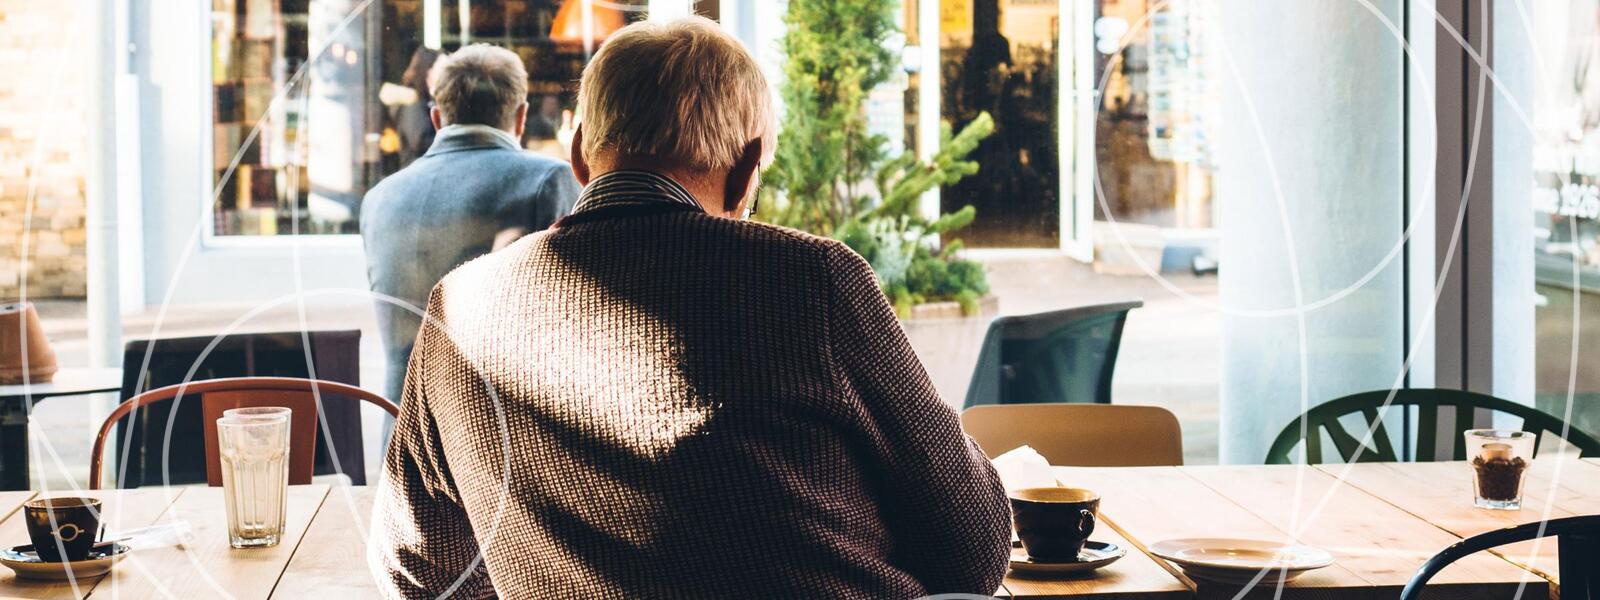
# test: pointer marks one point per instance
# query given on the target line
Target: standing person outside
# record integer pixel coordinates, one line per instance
(474, 191)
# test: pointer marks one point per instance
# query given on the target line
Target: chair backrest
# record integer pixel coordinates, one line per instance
(1051, 357)
(1577, 546)
(162, 441)
(1427, 402)
(1080, 435)
(308, 398)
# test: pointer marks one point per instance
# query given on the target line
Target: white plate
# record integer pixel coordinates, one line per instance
(27, 565)
(1094, 556)
(1239, 561)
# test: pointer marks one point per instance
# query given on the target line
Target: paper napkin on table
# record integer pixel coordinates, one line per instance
(1024, 467)
(171, 533)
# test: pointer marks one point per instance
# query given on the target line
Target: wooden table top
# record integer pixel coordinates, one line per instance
(1381, 522)
(323, 548)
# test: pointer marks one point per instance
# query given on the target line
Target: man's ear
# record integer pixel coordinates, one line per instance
(742, 176)
(521, 123)
(437, 117)
(580, 164)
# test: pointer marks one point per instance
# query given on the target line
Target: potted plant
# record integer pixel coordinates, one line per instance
(834, 178)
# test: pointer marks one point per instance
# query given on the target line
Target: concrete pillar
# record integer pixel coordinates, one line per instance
(1309, 201)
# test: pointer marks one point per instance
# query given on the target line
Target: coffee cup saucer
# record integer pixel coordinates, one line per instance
(27, 564)
(1094, 556)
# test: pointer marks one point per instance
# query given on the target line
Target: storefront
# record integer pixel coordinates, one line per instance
(1326, 143)
(252, 161)
(302, 105)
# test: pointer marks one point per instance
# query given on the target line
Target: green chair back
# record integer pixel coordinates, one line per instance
(1060, 356)
(1427, 402)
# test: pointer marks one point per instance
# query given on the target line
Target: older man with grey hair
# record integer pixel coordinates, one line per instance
(657, 398)
(475, 190)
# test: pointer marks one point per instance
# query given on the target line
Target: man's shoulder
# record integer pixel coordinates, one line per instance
(775, 240)
(504, 158)
(473, 161)
(506, 164)
(784, 236)
(752, 236)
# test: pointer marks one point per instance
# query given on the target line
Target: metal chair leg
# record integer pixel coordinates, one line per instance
(1580, 566)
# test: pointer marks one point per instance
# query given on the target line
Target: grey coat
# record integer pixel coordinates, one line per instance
(444, 210)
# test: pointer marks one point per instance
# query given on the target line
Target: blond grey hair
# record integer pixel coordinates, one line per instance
(481, 85)
(681, 91)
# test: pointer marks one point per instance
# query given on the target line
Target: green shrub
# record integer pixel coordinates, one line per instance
(832, 178)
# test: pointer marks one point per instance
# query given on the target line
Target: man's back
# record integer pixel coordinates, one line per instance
(653, 402)
(444, 210)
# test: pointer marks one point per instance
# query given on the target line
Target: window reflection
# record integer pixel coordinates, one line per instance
(1565, 40)
(314, 101)
(1151, 149)
(1000, 57)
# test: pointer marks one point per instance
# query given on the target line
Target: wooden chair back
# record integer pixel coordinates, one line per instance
(1080, 435)
(302, 396)
(161, 443)
(1427, 402)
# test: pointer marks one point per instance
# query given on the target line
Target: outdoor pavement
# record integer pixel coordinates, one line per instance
(1169, 351)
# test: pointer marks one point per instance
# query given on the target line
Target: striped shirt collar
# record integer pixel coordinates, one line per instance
(633, 187)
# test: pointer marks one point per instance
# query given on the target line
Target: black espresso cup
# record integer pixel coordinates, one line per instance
(63, 527)
(1054, 522)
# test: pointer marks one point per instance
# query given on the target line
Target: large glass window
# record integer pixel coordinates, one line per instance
(314, 101)
(1559, 102)
(1235, 184)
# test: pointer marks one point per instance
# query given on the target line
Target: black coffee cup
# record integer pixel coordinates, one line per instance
(1054, 522)
(63, 527)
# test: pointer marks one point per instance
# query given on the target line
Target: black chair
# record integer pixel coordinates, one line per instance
(139, 440)
(1578, 544)
(1427, 402)
(1053, 357)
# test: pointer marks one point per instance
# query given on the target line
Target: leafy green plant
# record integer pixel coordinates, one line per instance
(834, 178)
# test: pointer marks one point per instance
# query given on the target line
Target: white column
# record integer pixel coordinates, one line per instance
(1516, 66)
(929, 116)
(1077, 124)
(1309, 196)
(105, 318)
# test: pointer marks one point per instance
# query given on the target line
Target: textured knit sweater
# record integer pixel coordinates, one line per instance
(646, 401)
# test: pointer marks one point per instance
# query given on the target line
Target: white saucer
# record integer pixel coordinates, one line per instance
(27, 565)
(1240, 561)
(1094, 556)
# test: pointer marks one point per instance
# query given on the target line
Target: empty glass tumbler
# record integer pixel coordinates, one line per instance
(254, 444)
(1500, 459)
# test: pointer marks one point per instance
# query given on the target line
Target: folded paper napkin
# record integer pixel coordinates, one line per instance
(1024, 467)
(171, 533)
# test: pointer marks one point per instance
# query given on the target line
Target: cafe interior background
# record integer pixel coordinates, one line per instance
(1311, 198)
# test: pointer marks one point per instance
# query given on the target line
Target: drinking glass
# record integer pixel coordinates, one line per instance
(1500, 460)
(255, 476)
(259, 412)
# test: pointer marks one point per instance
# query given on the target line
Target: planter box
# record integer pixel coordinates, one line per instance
(988, 307)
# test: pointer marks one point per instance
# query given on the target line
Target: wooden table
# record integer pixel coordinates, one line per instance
(322, 555)
(16, 406)
(1381, 522)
